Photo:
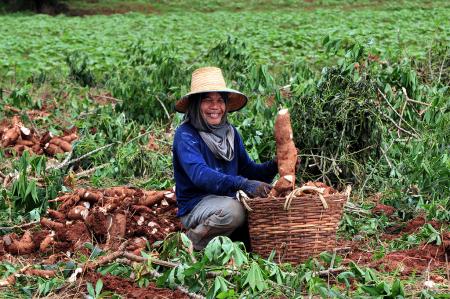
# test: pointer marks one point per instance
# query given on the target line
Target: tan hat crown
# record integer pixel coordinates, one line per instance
(206, 79)
(210, 79)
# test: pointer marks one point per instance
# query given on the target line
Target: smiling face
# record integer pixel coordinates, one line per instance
(212, 108)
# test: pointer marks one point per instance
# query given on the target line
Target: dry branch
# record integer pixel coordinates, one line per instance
(67, 163)
(107, 258)
(414, 101)
(19, 226)
(415, 134)
(11, 279)
(89, 171)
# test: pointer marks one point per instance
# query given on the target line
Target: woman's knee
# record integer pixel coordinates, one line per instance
(232, 215)
(238, 213)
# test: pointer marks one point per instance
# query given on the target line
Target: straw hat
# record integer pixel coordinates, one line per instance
(210, 79)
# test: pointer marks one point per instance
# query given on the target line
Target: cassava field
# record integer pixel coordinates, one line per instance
(87, 206)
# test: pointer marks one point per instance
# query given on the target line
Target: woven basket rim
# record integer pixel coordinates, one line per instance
(341, 194)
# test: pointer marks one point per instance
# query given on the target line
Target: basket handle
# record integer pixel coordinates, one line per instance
(298, 191)
(241, 196)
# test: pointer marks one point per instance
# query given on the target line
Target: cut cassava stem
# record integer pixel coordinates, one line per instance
(25, 133)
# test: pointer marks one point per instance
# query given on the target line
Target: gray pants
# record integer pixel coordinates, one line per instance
(213, 216)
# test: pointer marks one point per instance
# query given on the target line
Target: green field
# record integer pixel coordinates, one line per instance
(32, 44)
(367, 86)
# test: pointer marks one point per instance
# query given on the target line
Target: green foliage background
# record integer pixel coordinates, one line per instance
(350, 73)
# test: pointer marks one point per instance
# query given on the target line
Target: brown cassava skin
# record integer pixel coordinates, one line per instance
(37, 149)
(68, 201)
(10, 136)
(69, 138)
(286, 153)
(151, 197)
(23, 246)
(51, 224)
(117, 230)
(53, 149)
(46, 243)
(64, 145)
(97, 221)
(111, 203)
(40, 273)
(77, 213)
(141, 209)
(2, 248)
(137, 245)
(120, 192)
(91, 196)
(77, 234)
(29, 143)
(19, 148)
(110, 221)
(327, 189)
(4, 126)
(9, 281)
(56, 215)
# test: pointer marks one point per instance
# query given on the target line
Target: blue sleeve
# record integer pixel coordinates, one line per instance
(202, 176)
(264, 172)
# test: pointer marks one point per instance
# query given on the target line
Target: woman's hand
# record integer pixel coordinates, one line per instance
(256, 188)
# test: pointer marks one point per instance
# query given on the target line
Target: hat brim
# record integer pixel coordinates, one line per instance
(236, 100)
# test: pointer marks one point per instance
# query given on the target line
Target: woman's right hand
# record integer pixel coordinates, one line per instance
(256, 188)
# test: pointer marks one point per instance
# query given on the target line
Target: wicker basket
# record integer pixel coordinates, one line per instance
(297, 226)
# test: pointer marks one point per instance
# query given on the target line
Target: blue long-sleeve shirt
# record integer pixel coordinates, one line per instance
(199, 173)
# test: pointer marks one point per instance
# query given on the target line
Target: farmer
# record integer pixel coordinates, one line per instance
(210, 162)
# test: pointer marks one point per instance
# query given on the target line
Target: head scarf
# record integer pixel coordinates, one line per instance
(219, 138)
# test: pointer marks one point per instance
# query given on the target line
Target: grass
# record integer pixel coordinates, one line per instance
(166, 6)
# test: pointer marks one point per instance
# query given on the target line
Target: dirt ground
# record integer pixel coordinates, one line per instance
(130, 220)
(426, 257)
(129, 289)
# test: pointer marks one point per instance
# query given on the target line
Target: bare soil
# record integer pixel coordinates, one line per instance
(129, 289)
(426, 257)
